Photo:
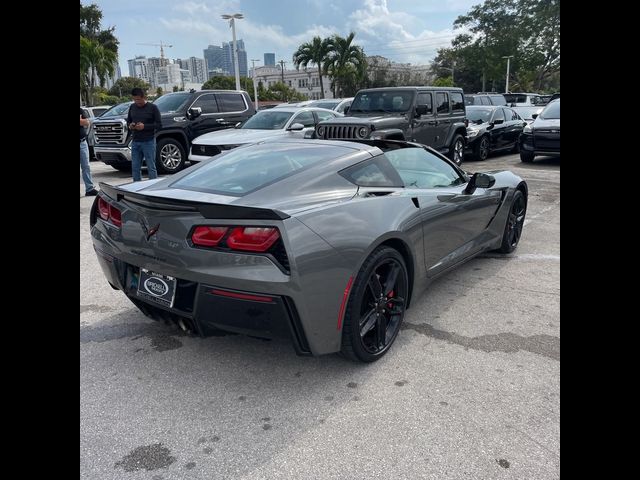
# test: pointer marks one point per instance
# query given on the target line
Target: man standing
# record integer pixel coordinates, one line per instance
(143, 119)
(89, 189)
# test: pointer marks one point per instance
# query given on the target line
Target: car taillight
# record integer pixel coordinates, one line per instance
(253, 239)
(205, 236)
(103, 209)
(109, 213)
(116, 216)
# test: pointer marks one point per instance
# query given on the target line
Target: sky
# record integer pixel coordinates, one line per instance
(407, 31)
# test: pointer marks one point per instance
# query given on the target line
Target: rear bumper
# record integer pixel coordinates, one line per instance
(211, 308)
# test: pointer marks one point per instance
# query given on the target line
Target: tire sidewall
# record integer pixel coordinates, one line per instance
(479, 148)
(160, 145)
(352, 311)
(452, 151)
(506, 247)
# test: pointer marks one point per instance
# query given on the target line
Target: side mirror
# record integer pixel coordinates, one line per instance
(534, 116)
(479, 180)
(421, 110)
(499, 121)
(296, 127)
(194, 112)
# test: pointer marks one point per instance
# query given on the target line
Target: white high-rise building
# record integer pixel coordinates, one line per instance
(139, 68)
(197, 68)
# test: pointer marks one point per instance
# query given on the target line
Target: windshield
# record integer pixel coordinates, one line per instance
(327, 105)
(551, 111)
(479, 115)
(527, 112)
(117, 110)
(171, 102)
(246, 169)
(268, 120)
(382, 101)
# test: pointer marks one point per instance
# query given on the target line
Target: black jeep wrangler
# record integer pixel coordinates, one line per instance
(185, 116)
(433, 116)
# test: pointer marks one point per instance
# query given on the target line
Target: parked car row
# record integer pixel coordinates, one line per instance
(199, 124)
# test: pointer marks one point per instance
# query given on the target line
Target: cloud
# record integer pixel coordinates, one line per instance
(191, 8)
(383, 32)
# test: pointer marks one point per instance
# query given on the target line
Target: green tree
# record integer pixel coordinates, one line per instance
(124, 85)
(159, 92)
(443, 82)
(90, 19)
(346, 66)
(98, 51)
(96, 62)
(220, 82)
(527, 29)
(315, 52)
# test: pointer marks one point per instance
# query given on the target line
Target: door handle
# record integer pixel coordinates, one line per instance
(219, 120)
(433, 122)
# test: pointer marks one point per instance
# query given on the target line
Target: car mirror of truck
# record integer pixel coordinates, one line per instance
(421, 110)
(194, 112)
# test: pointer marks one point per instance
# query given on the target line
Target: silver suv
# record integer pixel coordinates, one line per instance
(91, 113)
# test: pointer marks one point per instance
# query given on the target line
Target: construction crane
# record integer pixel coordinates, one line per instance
(161, 45)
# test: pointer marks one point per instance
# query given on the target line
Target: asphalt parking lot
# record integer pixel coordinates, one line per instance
(470, 389)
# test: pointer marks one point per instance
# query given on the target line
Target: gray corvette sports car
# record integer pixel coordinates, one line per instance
(322, 242)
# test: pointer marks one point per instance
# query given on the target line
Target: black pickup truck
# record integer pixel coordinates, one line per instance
(185, 116)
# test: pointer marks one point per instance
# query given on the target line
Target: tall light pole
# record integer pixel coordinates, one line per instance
(255, 85)
(234, 53)
(506, 88)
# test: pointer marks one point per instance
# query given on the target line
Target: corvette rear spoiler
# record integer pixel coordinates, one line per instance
(207, 210)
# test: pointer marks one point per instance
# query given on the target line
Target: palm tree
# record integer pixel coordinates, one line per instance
(347, 63)
(315, 52)
(95, 61)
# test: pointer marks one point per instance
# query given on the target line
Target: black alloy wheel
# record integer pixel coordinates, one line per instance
(376, 306)
(483, 149)
(515, 223)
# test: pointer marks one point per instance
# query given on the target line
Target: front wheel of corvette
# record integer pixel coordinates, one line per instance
(376, 306)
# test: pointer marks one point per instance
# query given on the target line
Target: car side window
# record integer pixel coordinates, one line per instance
(231, 102)
(425, 98)
(207, 103)
(485, 101)
(419, 168)
(498, 115)
(374, 172)
(457, 104)
(442, 103)
(324, 116)
(305, 118)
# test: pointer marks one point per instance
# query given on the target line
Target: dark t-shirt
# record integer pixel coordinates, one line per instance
(149, 115)
(83, 130)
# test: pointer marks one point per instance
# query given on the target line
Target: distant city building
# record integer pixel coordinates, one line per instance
(242, 59)
(196, 67)
(154, 64)
(305, 82)
(139, 68)
(269, 59)
(214, 60)
(381, 69)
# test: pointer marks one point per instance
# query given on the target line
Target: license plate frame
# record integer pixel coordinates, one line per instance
(157, 287)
